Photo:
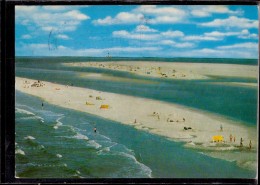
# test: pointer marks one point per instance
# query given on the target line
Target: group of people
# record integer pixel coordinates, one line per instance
(156, 114)
(233, 138)
(170, 120)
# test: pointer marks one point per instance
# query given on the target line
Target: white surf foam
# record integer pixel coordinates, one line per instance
(80, 136)
(49, 113)
(41, 147)
(33, 115)
(59, 155)
(23, 111)
(145, 169)
(29, 137)
(105, 149)
(105, 137)
(19, 151)
(94, 144)
(58, 123)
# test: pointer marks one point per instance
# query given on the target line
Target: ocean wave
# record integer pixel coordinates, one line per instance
(79, 129)
(18, 110)
(74, 129)
(80, 136)
(76, 136)
(58, 123)
(19, 151)
(121, 150)
(43, 114)
(59, 155)
(37, 147)
(105, 137)
(105, 149)
(41, 147)
(94, 144)
(29, 138)
(32, 117)
(145, 169)
(83, 122)
(23, 107)
(49, 113)
(77, 174)
(43, 165)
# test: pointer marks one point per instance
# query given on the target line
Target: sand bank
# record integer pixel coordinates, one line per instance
(175, 70)
(176, 122)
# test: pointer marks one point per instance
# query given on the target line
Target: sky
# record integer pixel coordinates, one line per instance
(203, 31)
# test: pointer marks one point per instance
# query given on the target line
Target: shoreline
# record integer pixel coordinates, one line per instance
(153, 116)
(239, 84)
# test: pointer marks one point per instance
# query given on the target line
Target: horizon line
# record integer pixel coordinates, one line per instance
(144, 57)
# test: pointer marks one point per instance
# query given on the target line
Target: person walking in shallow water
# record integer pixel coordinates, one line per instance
(42, 105)
(95, 129)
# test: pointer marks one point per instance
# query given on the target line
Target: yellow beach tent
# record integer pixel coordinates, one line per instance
(218, 138)
(104, 106)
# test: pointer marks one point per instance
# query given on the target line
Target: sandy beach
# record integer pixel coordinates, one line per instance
(195, 128)
(176, 70)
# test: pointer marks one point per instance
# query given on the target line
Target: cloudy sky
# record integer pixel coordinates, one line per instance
(138, 31)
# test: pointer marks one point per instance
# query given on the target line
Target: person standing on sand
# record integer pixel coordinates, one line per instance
(250, 144)
(221, 128)
(234, 138)
(241, 142)
(230, 137)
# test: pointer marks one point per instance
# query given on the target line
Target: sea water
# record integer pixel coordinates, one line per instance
(239, 103)
(56, 142)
